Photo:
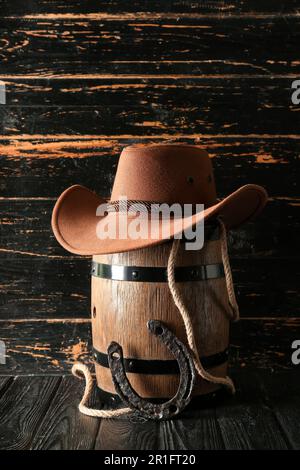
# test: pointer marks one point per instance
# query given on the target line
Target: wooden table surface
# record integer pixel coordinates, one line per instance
(41, 413)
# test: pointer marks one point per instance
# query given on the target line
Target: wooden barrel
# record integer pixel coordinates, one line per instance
(122, 308)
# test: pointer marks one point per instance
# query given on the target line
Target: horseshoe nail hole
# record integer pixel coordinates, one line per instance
(173, 409)
(94, 312)
(116, 356)
(158, 330)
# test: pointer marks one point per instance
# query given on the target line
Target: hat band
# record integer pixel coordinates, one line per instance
(149, 207)
(125, 205)
(117, 272)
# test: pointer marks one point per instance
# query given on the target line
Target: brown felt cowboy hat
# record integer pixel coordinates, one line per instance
(161, 173)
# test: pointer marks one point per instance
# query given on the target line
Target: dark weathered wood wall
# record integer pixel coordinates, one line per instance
(83, 80)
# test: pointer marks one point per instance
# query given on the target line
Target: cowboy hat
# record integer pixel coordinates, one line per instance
(157, 173)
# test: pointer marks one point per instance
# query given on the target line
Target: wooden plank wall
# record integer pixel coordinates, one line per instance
(84, 79)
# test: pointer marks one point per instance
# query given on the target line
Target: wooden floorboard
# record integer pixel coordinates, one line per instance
(246, 421)
(123, 434)
(197, 430)
(63, 426)
(5, 383)
(42, 413)
(283, 397)
(22, 408)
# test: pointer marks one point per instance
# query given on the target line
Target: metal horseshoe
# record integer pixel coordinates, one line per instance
(143, 407)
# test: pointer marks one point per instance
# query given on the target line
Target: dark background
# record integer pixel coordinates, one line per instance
(86, 78)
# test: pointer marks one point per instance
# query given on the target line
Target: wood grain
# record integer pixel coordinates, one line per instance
(28, 291)
(246, 421)
(260, 416)
(59, 287)
(135, 46)
(52, 346)
(5, 383)
(261, 94)
(84, 79)
(37, 166)
(44, 347)
(140, 8)
(63, 426)
(22, 409)
(263, 415)
(121, 308)
(126, 435)
(197, 431)
(158, 105)
(283, 399)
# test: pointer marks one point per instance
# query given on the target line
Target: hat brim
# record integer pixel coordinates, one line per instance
(75, 223)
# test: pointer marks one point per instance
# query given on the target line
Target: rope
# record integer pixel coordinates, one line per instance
(80, 369)
(228, 275)
(226, 381)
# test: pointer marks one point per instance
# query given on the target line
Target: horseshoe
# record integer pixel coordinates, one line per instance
(144, 408)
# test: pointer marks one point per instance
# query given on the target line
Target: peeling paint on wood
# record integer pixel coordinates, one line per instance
(36, 166)
(76, 8)
(254, 344)
(264, 287)
(239, 44)
(85, 79)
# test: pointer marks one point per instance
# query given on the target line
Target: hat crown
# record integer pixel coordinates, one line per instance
(165, 173)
